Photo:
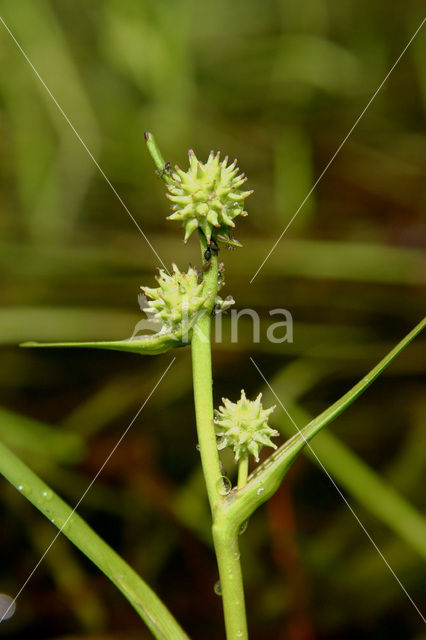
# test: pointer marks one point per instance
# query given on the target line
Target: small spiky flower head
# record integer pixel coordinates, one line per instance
(177, 299)
(243, 425)
(207, 196)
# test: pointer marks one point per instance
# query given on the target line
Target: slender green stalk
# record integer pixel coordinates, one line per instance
(243, 466)
(157, 157)
(150, 608)
(202, 376)
(203, 396)
(225, 540)
(231, 580)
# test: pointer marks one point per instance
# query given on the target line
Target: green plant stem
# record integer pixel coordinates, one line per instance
(242, 471)
(202, 381)
(231, 580)
(202, 376)
(225, 539)
(147, 604)
(157, 157)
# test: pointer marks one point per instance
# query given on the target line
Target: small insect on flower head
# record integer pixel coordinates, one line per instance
(243, 425)
(207, 196)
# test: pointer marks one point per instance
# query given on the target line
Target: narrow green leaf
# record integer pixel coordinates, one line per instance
(149, 345)
(266, 479)
(147, 604)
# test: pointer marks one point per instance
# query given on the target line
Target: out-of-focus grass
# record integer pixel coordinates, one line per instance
(279, 86)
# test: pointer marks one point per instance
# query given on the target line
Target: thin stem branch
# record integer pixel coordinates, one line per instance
(202, 377)
(225, 540)
(157, 157)
(203, 397)
(243, 466)
(231, 582)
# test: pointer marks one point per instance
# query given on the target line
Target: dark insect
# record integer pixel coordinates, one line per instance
(166, 169)
(211, 249)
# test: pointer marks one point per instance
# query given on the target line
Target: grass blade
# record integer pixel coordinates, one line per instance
(266, 479)
(150, 608)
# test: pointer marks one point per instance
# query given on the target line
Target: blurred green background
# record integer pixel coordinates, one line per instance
(278, 84)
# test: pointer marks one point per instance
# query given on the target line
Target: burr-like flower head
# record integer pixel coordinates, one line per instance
(243, 425)
(177, 299)
(207, 196)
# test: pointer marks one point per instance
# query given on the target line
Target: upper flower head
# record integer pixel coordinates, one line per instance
(177, 299)
(243, 425)
(207, 196)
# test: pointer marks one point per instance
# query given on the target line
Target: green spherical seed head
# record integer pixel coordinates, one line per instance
(243, 425)
(207, 196)
(177, 299)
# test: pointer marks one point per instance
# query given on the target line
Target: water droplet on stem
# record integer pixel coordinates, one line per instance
(218, 588)
(243, 528)
(224, 485)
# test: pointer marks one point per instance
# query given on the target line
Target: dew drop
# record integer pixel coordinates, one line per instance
(197, 446)
(224, 485)
(48, 494)
(259, 491)
(7, 607)
(218, 588)
(20, 487)
(237, 555)
(243, 528)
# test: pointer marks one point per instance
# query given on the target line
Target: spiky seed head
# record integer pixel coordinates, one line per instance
(243, 425)
(177, 299)
(207, 196)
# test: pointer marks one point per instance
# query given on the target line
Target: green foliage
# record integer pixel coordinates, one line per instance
(242, 425)
(280, 87)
